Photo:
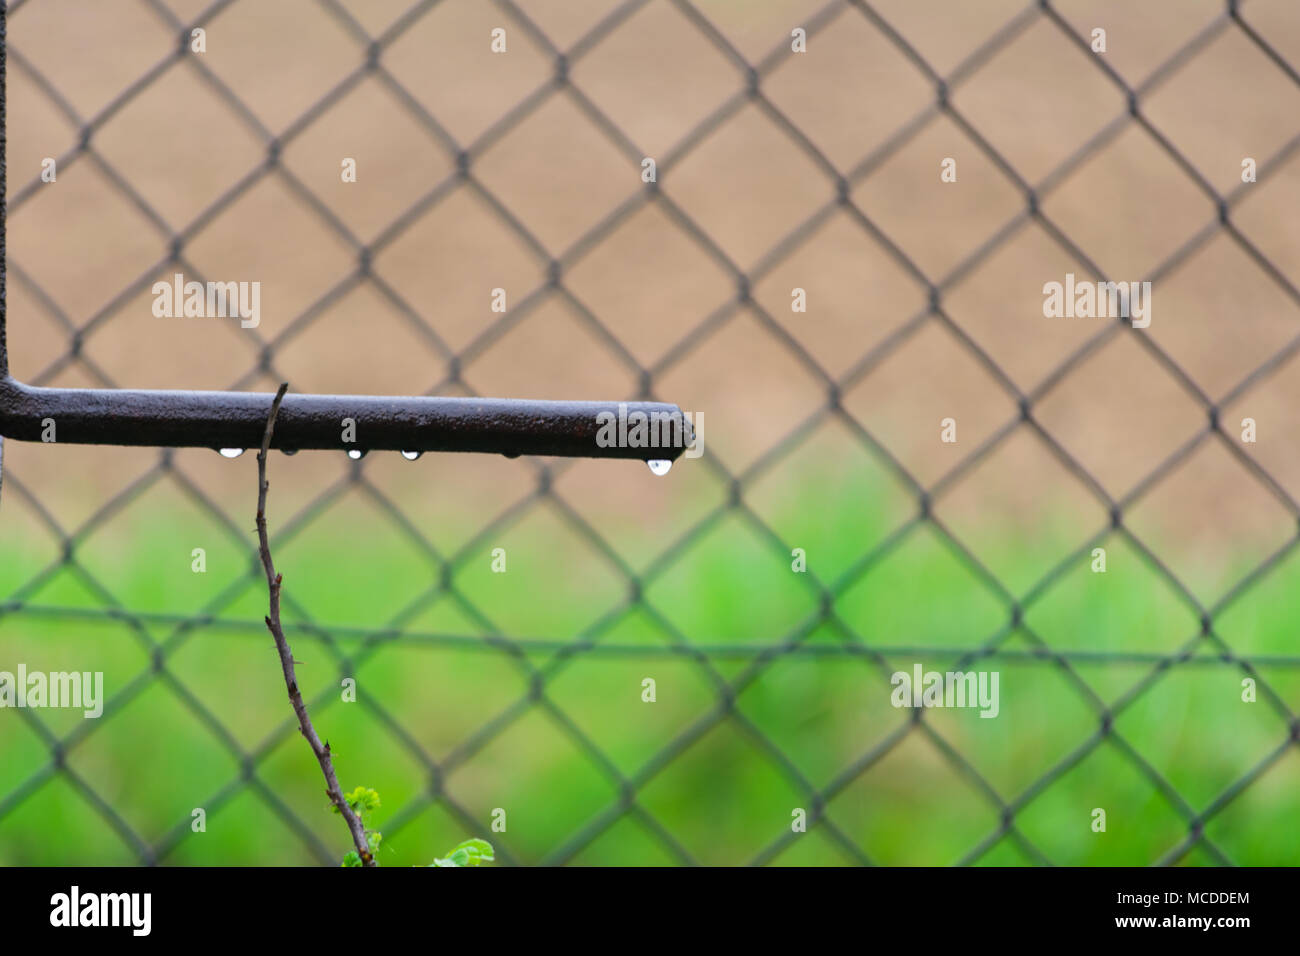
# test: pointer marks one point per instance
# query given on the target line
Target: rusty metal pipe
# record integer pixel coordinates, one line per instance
(164, 418)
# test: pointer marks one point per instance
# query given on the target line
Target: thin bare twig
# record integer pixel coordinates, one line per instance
(273, 581)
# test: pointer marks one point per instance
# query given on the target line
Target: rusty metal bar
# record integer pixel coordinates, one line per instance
(100, 416)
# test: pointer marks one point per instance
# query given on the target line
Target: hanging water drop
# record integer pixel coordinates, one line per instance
(230, 452)
(411, 455)
(355, 454)
(659, 466)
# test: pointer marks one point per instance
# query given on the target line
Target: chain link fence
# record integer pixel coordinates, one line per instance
(840, 182)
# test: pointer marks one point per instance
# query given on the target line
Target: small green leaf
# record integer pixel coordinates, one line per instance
(473, 852)
(477, 847)
(362, 800)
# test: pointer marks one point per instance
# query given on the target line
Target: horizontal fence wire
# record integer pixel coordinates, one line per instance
(354, 645)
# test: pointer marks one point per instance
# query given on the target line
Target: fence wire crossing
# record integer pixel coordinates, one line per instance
(839, 184)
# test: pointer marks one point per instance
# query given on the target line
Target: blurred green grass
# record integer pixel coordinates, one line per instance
(552, 763)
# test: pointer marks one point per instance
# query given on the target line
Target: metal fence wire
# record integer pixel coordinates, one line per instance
(837, 183)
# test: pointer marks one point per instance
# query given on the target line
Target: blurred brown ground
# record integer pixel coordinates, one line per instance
(648, 282)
